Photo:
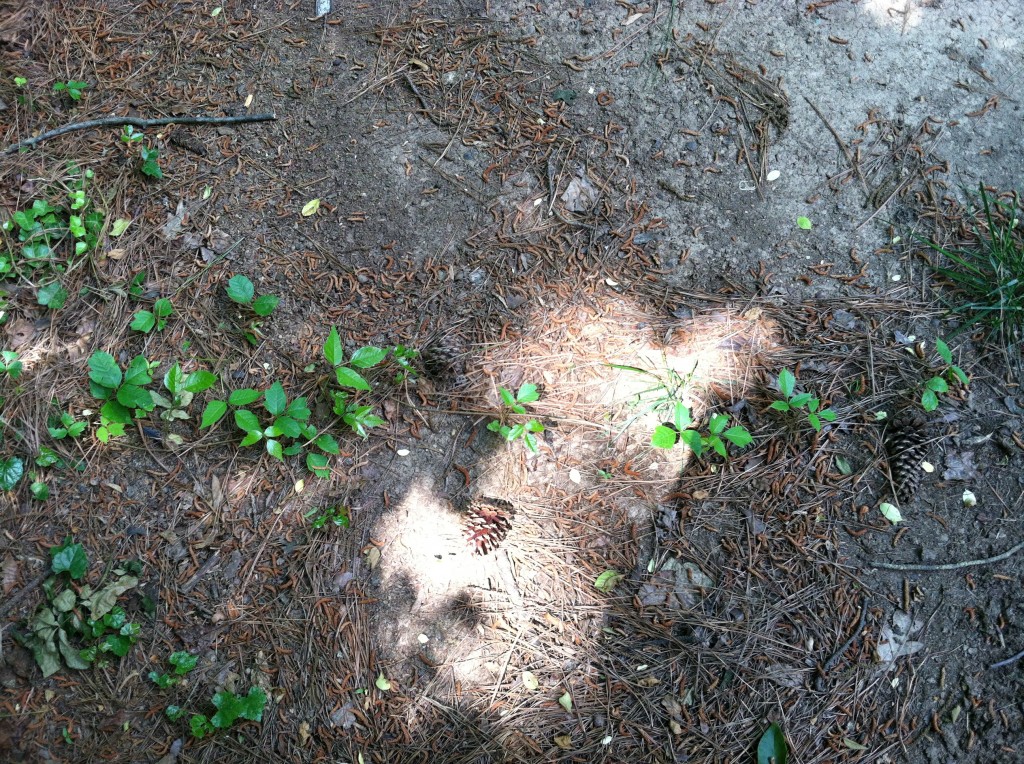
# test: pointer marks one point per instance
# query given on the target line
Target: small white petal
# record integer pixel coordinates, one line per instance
(773, 175)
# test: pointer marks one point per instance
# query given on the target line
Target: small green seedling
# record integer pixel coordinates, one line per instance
(229, 708)
(130, 135)
(64, 425)
(358, 417)
(72, 88)
(9, 364)
(668, 434)
(150, 166)
(52, 296)
(182, 661)
(802, 402)
(241, 290)
(516, 404)
(938, 384)
(804, 223)
(404, 357)
(182, 388)
(338, 515)
(146, 321)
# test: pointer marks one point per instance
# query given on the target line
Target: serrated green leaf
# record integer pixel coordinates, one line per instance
(801, 400)
(240, 289)
(779, 406)
(333, 350)
(507, 396)
(253, 436)
(814, 421)
(265, 304)
(243, 397)
(772, 748)
(144, 321)
(275, 449)
(275, 400)
(786, 383)
(738, 436)
(693, 441)
(328, 444)
(247, 421)
(183, 662)
(138, 372)
(116, 413)
(134, 397)
(213, 413)
(960, 374)
(527, 393)
(198, 381)
(943, 350)
(52, 296)
(828, 415)
(929, 400)
(104, 371)
(349, 378)
(288, 426)
(717, 423)
(938, 384)
(367, 357)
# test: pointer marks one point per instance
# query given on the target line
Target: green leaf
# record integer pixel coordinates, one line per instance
(890, 512)
(183, 662)
(929, 400)
(274, 449)
(253, 436)
(716, 443)
(144, 321)
(200, 726)
(243, 397)
(786, 383)
(738, 436)
(566, 702)
(318, 465)
(198, 381)
(162, 308)
(717, 423)
(843, 466)
(213, 413)
(801, 400)
(804, 224)
(507, 396)
(134, 397)
(328, 444)
(828, 415)
(943, 350)
(682, 418)
(349, 378)
(117, 413)
(69, 558)
(103, 601)
(607, 580)
(138, 372)
(240, 289)
(174, 713)
(664, 437)
(938, 384)
(119, 226)
(527, 393)
(960, 374)
(163, 681)
(310, 208)
(382, 683)
(39, 490)
(288, 426)
(11, 470)
(814, 421)
(333, 351)
(103, 370)
(275, 400)
(53, 296)
(780, 406)
(265, 304)
(693, 441)
(247, 421)
(230, 707)
(367, 357)
(772, 749)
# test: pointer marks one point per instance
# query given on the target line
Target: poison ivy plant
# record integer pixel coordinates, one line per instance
(800, 402)
(516, 404)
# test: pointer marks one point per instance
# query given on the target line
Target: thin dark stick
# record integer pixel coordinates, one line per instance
(8, 606)
(138, 122)
(849, 157)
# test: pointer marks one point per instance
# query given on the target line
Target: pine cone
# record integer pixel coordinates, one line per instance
(445, 361)
(488, 522)
(907, 444)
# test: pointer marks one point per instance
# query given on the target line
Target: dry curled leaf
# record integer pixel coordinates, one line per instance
(10, 574)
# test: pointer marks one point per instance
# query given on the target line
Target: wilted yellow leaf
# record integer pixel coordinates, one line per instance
(310, 208)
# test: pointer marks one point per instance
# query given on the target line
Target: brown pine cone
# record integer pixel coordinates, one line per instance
(488, 522)
(907, 443)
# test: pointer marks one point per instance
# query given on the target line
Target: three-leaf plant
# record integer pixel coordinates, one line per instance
(358, 417)
(801, 402)
(940, 382)
(515, 404)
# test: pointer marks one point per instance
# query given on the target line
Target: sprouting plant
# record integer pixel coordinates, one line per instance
(150, 166)
(289, 425)
(404, 357)
(801, 402)
(80, 613)
(129, 135)
(338, 515)
(229, 708)
(73, 88)
(52, 295)
(38, 488)
(182, 388)
(358, 416)
(938, 384)
(182, 661)
(9, 364)
(516, 404)
(668, 434)
(147, 320)
(20, 82)
(241, 290)
(125, 393)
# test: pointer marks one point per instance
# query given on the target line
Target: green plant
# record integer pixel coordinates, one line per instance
(52, 295)
(289, 425)
(147, 320)
(12, 469)
(125, 393)
(130, 135)
(404, 357)
(801, 402)
(359, 417)
(10, 364)
(230, 707)
(39, 490)
(72, 88)
(64, 425)
(182, 388)
(20, 82)
(80, 613)
(939, 383)
(338, 515)
(668, 434)
(182, 661)
(150, 166)
(989, 270)
(241, 290)
(516, 404)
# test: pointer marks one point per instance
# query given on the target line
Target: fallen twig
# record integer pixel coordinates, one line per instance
(1008, 661)
(949, 565)
(138, 122)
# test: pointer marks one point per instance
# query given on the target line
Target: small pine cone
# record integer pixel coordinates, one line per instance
(445, 361)
(488, 522)
(907, 444)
